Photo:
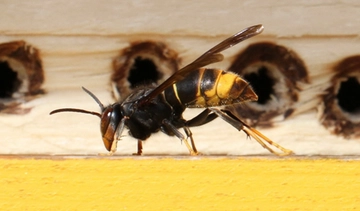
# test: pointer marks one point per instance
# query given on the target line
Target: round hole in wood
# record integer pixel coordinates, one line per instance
(142, 63)
(21, 75)
(274, 72)
(340, 107)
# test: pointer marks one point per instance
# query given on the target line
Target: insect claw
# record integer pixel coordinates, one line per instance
(136, 154)
(195, 153)
(192, 152)
(139, 148)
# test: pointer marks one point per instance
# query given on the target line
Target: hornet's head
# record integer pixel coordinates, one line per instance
(111, 124)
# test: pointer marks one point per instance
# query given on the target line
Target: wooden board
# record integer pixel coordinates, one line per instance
(78, 41)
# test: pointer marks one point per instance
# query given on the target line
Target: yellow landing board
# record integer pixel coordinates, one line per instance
(179, 184)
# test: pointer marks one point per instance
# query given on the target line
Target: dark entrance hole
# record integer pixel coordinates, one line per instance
(262, 84)
(349, 95)
(9, 82)
(143, 71)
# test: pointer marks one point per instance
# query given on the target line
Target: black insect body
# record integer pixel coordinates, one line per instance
(150, 109)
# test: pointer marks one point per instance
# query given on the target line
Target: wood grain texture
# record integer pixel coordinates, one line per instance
(78, 41)
(179, 17)
(179, 184)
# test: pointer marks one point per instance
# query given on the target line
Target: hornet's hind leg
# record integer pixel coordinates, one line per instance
(259, 137)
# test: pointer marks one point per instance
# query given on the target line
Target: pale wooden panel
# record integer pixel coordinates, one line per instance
(78, 41)
(283, 18)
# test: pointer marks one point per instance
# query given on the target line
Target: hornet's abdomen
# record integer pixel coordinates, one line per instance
(210, 87)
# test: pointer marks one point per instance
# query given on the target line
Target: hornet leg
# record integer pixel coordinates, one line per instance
(139, 148)
(259, 137)
(189, 135)
(177, 133)
(204, 117)
(201, 119)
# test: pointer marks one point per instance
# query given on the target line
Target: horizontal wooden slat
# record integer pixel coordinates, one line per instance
(83, 17)
(78, 41)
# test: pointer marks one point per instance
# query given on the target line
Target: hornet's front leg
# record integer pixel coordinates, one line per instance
(139, 148)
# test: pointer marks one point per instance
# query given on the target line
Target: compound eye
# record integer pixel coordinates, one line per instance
(107, 128)
(105, 120)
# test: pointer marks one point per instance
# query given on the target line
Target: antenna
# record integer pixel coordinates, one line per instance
(82, 110)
